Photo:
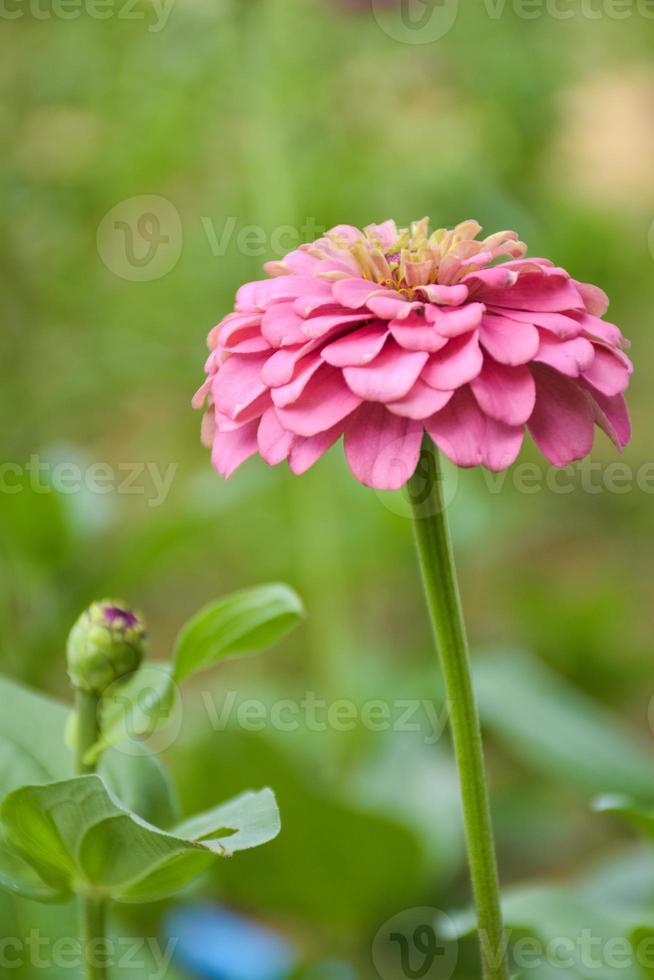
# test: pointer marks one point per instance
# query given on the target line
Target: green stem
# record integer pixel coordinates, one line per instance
(442, 593)
(93, 910)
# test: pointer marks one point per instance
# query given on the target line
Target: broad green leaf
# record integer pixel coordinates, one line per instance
(255, 814)
(583, 929)
(19, 878)
(559, 730)
(640, 817)
(356, 857)
(135, 710)
(245, 622)
(74, 832)
(32, 746)
(33, 751)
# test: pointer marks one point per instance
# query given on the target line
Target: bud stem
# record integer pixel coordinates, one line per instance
(86, 709)
(92, 910)
(436, 556)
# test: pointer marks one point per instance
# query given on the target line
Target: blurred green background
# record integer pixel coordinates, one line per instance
(222, 132)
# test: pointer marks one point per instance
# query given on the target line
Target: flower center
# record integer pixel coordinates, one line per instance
(407, 258)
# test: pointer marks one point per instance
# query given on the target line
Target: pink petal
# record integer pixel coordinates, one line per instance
(232, 328)
(324, 324)
(280, 366)
(608, 372)
(208, 429)
(382, 449)
(534, 291)
(308, 303)
(505, 393)
(499, 277)
(456, 320)
(298, 261)
(612, 416)
(230, 449)
(355, 293)
(508, 341)
(254, 410)
(273, 441)
(386, 233)
(562, 421)
(601, 329)
(562, 326)
(356, 348)
(595, 299)
(421, 402)
(305, 370)
(258, 295)
(200, 395)
(415, 333)
(570, 357)
(470, 438)
(324, 402)
(456, 364)
(443, 295)
(282, 326)
(238, 383)
(249, 343)
(392, 307)
(389, 376)
(305, 452)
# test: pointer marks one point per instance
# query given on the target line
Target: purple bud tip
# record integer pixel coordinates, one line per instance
(115, 614)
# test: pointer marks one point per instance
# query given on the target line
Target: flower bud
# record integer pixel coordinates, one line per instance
(106, 644)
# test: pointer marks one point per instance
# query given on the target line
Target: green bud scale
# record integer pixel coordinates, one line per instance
(106, 644)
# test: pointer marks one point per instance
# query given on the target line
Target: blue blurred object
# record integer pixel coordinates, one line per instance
(213, 943)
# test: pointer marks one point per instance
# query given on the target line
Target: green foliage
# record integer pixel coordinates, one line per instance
(246, 622)
(637, 815)
(77, 838)
(558, 730)
(32, 750)
(598, 925)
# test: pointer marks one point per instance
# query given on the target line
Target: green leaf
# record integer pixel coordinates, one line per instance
(572, 928)
(19, 878)
(255, 814)
(640, 817)
(135, 710)
(75, 834)
(559, 730)
(245, 622)
(33, 751)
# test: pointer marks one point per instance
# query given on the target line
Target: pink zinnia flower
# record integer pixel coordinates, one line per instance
(382, 335)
